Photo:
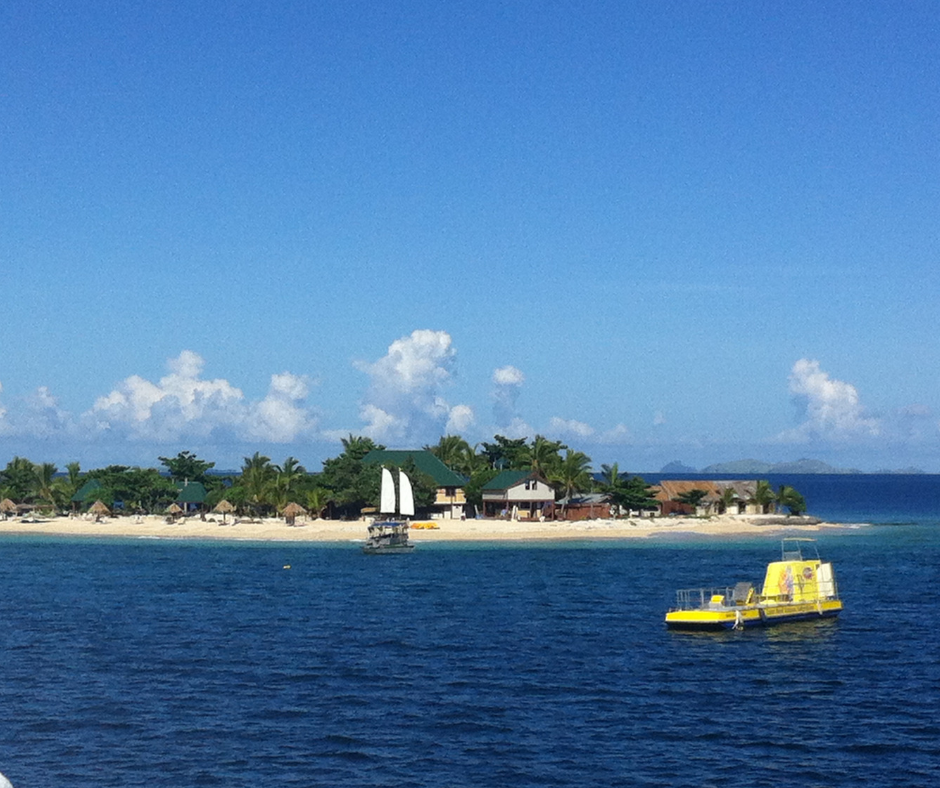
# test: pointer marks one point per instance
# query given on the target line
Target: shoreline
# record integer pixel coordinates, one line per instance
(309, 530)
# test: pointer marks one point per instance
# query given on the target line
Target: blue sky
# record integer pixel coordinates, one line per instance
(672, 230)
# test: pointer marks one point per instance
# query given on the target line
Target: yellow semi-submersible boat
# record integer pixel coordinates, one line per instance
(796, 588)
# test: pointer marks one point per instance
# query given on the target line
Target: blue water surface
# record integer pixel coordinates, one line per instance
(156, 663)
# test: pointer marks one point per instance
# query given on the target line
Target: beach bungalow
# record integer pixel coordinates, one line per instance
(192, 495)
(721, 497)
(450, 500)
(518, 494)
(588, 506)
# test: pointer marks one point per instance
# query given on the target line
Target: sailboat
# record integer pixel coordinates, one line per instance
(390, 536)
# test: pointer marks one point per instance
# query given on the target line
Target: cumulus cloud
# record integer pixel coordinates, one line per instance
(183, 404)
(829, 408)
(507, 383)
(569, 428)
(36, 415)
(282, 416)
(404, 401)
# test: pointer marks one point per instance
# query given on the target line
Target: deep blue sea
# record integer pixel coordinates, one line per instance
(159, 663)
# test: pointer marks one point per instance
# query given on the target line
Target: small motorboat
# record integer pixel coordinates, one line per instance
(796, 588)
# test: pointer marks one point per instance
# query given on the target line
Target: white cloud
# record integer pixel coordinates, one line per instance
(461, 419)
(183, 404)
(508, 376)
(404, 401)
(618, 434)
(830, 409)
(507, 383)
(281, 417)
(565, 428)
(36, 415)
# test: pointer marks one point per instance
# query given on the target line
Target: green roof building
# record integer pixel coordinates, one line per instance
(523, 495)
(450, 500)
(191, 494)
(85, 492)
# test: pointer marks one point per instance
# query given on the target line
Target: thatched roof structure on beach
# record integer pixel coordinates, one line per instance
(224, 507)
(293, 509)
(174, 508)
(7, 506)
(98, 507)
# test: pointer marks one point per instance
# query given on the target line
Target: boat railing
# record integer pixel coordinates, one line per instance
(704, 598)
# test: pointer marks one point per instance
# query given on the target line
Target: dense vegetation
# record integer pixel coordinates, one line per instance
(343, 487)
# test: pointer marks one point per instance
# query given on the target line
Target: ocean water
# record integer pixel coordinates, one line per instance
(157, 663)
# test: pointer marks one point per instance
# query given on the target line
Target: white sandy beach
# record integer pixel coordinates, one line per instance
(447, 530)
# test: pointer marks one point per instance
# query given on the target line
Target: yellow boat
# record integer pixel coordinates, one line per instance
(796, 588)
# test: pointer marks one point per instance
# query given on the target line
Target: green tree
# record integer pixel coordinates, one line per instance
(44, 484)
(451, 450)
(352, 484)
(692, 497)
(628, 493)
(763, 496)
(317, 500)
(473, 490)
(138, 489)
(19, 479)
(572, 474)
(728, 497)
(507, 453)
(186, 466)
(257, 480)
(794, 502)
(544, 455)
(288, 482)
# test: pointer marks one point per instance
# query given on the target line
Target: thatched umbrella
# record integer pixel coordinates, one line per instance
(291, 511)
(7, 506)
(174, 510)
(98, 508)
(223, 507)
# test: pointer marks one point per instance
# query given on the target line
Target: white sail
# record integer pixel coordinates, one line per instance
(406, 502)
(387, 498)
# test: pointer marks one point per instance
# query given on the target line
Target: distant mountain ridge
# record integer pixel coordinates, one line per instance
(759, 467)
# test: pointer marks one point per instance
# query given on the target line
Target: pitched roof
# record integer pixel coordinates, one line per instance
(670, 489)
(424, 461)
(82, 493)
(191, 492)
(506, 479)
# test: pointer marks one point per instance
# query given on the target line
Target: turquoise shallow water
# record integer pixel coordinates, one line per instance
(133, 663)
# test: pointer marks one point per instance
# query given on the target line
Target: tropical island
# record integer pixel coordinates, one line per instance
(507, 488)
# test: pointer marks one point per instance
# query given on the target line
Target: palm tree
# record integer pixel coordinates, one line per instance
(791, 499)
(544, 456)
(45, 476)
(317, 500)
(728, 497)
(763, 496)
(256, 478)
(450, 450)
(357, 446)
(572, 473)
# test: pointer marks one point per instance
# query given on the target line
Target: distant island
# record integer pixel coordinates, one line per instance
(758, 468)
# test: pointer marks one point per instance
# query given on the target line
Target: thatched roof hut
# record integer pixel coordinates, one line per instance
(98, 508)
(7, 506)
(291, 511)
(174, 508)
(224, 508)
